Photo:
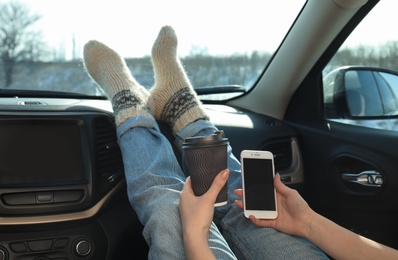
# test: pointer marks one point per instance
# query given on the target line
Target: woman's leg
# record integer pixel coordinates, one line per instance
(154, 178)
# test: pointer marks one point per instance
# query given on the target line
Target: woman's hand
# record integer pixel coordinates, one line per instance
(197, 215)
(295, 217)
(294, 214)
(197, 211)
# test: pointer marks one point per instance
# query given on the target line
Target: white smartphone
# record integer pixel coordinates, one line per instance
(259, 195)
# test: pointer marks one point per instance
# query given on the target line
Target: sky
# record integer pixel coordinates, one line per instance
(378, 27)
(217, 27)
(132, 26)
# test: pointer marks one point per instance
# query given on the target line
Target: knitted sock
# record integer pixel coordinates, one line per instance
(111, 73)
(172, 99)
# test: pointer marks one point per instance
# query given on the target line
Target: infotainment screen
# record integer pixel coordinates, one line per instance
(40, 152)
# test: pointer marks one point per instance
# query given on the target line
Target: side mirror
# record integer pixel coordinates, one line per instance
(360, 92)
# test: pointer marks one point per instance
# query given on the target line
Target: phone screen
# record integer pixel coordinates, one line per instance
(259, 184)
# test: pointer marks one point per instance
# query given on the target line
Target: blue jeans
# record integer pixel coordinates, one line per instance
(154, 181)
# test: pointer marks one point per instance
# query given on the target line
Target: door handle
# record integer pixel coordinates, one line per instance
(369, 178)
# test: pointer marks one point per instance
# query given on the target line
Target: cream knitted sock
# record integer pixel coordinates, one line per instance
(111, 73)
(172, 99)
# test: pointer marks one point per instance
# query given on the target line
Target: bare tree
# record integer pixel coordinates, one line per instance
(18, 41)
(384, 56)
(389, 55)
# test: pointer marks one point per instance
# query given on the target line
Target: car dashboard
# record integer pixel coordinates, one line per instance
(62, 187)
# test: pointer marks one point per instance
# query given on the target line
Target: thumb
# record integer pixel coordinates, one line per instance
(188, 184)
(279, 186)
(218, 184)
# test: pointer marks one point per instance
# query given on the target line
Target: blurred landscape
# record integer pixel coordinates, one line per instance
(70, 76)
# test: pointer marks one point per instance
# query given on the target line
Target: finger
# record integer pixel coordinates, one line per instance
(239, 203)
(239, 192)
(186, 189)
(187, 185)
(254, 220)
(260, 222)
(218, 184)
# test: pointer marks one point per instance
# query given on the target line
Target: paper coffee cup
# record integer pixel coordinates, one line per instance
(203, 158)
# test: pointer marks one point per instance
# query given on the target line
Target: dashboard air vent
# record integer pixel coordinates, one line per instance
(109, 158)
(282, 150)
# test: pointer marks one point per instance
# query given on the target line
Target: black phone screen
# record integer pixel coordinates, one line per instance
(259, 184)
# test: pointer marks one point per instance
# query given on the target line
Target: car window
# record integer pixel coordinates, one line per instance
(360, 83)
(221, 43)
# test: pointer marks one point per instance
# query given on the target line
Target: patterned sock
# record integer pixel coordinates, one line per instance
(110, 72)
(172, 99)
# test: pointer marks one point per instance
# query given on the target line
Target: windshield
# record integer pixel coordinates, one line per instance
(221, 43)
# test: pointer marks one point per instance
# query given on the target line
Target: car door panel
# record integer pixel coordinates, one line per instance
(331, 149)
(247, 130)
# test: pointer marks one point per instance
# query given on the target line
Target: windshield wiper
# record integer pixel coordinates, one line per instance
(220, 90)
(45, 93)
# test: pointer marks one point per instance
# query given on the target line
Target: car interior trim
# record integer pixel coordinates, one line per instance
(307, 41)
(56, 218)
(353, 4)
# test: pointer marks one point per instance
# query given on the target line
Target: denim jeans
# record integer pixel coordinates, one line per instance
(154, 181)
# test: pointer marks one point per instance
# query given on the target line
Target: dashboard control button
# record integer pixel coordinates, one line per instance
(44, 197)
(68, 196)
(20, 198)
(18, 247)
(61, 242)
(40, 245)
(83, 248)
(3, 253)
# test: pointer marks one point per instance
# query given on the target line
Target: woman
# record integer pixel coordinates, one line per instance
(154, 177)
